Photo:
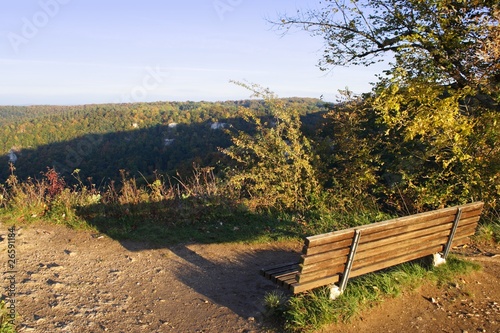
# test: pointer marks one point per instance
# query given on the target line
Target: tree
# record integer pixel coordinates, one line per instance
(346, 143)
(436, 119)
(448, 41)
(435, 144)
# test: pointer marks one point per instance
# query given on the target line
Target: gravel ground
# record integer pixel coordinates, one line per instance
(78, 281)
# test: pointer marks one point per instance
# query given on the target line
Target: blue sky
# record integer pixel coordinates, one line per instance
(89, 51)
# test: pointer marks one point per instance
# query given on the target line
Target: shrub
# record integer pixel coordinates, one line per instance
(275, 163)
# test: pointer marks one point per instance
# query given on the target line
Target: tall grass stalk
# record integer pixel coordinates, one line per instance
(489, 229)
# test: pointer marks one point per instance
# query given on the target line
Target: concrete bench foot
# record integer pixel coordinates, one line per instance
(335, 291)
(437, 259)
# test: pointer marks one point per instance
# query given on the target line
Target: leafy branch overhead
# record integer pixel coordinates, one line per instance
(453, 42)
(431, 124)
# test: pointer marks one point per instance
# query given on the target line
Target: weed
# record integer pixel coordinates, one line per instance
(5, 325)
(330, 220)
(489, 229)
(275, 303)
(310, 311)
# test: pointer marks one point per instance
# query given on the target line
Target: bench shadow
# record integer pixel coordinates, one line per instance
(231, 279)
(212, 252)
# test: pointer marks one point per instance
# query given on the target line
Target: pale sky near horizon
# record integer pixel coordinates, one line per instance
(88, 51)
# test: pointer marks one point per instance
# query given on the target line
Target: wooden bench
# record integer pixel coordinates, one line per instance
(331, 258)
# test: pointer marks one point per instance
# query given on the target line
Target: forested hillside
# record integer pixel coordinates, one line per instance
(101, 140)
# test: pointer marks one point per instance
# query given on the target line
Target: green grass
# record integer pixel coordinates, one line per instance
(327, 221)
(310, 311)
(166, 225)
(5, 326)
(179, 220)
(201, 208)
(489, 231)
(224, 228)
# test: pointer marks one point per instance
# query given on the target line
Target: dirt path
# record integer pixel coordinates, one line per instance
(75, 281)
(470, 305)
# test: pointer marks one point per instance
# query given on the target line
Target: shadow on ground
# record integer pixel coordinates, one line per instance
(230, 279)
(213, 252)
(190, 220)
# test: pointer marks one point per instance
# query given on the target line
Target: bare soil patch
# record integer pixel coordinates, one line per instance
(78, 281)
(469, 304)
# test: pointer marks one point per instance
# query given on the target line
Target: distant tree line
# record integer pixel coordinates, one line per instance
(141, 138)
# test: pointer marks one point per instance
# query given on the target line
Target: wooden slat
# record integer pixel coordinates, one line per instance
(374, 231)
(378, 227)
(437, 232)
(341, 244)
(377, 233)
(395, 223)
(473, 220)
(462, 240)
(268, 272)
(411, 245)
(365, 243)
(383, 244)
(380, 232)
(301, 287)
(369, 257)
(405, 245)
(471, 212)
(292, 273)
(438, 237)
(403, 258)
(324, 272)
(401, 232)
(337, 265)
(330, 261)
(395, 261)
(282, 275)
(307, 260)
(330, 237)
(285, 279)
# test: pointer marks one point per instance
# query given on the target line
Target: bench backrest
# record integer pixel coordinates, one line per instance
(383, 244)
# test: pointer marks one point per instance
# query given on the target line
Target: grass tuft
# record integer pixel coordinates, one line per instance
(5, 326)
(489, 232)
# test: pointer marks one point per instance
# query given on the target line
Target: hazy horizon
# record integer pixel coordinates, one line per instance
(166, 101)
(70, 52)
